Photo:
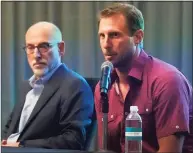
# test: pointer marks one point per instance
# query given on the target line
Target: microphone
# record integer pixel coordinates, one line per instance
(105, 80)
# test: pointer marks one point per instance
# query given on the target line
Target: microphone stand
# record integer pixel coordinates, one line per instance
(104, 86)
(105, 110)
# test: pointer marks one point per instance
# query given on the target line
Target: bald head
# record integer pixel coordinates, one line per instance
(46, 29)
(44, 47)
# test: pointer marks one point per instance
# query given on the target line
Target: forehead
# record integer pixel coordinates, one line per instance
(115, 22)
(35, 36)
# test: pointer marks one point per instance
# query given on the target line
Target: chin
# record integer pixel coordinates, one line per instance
(118, 64)
(40, 72)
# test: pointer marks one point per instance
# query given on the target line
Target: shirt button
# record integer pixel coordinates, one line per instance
(147, 109)
(102, 119)
(112, 116)
(177, 127)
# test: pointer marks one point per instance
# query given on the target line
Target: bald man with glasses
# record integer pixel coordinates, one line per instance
(56, 105)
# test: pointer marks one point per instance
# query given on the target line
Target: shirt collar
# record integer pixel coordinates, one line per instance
(42, 80)
(137, 67)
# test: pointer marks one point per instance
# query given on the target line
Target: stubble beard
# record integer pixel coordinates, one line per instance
(124, 60)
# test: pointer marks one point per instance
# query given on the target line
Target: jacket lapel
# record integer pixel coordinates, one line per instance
(50, 88)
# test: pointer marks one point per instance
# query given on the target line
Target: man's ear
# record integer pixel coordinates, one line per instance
(138, 36)
(61, 47)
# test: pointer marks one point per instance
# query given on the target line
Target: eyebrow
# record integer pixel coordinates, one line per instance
(110, 32)
(39, 43)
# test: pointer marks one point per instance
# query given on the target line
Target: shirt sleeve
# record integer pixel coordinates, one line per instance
(171, 104)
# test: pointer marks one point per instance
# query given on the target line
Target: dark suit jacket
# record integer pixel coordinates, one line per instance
(61, 115)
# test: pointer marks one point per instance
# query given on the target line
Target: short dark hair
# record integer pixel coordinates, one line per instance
(133, 16)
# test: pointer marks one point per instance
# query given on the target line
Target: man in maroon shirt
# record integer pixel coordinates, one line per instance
(162, 93)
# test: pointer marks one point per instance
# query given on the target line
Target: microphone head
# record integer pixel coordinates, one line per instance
(105, 80)
(108, 64)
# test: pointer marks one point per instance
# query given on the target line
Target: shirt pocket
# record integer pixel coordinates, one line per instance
(114, 127)
(148, 124)
(145, 109)
(114, 120)
(111, 117)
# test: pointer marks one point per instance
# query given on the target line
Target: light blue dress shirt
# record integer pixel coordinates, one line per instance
(30, 101)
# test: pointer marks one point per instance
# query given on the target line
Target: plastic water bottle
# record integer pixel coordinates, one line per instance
(133, 131)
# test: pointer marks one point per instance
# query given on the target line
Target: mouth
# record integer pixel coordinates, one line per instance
(110, 57)
(39, 65)
(110, 54)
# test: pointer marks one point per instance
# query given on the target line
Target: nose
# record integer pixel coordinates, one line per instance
(37, 53)
(107, 42)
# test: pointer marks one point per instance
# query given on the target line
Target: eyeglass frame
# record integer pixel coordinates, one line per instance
(49, 45)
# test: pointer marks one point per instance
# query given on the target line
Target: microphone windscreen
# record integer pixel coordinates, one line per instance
(107, 63)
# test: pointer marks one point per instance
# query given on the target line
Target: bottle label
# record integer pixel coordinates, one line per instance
(132, 133)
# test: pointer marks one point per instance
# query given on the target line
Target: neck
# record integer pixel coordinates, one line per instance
(122, 76)
(38, 77)
(122, 72)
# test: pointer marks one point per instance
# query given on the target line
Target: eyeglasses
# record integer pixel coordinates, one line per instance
(42, 47)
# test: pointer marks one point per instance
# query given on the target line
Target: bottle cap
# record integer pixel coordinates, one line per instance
(134, 108)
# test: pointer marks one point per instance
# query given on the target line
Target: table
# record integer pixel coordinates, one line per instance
(41, 150)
